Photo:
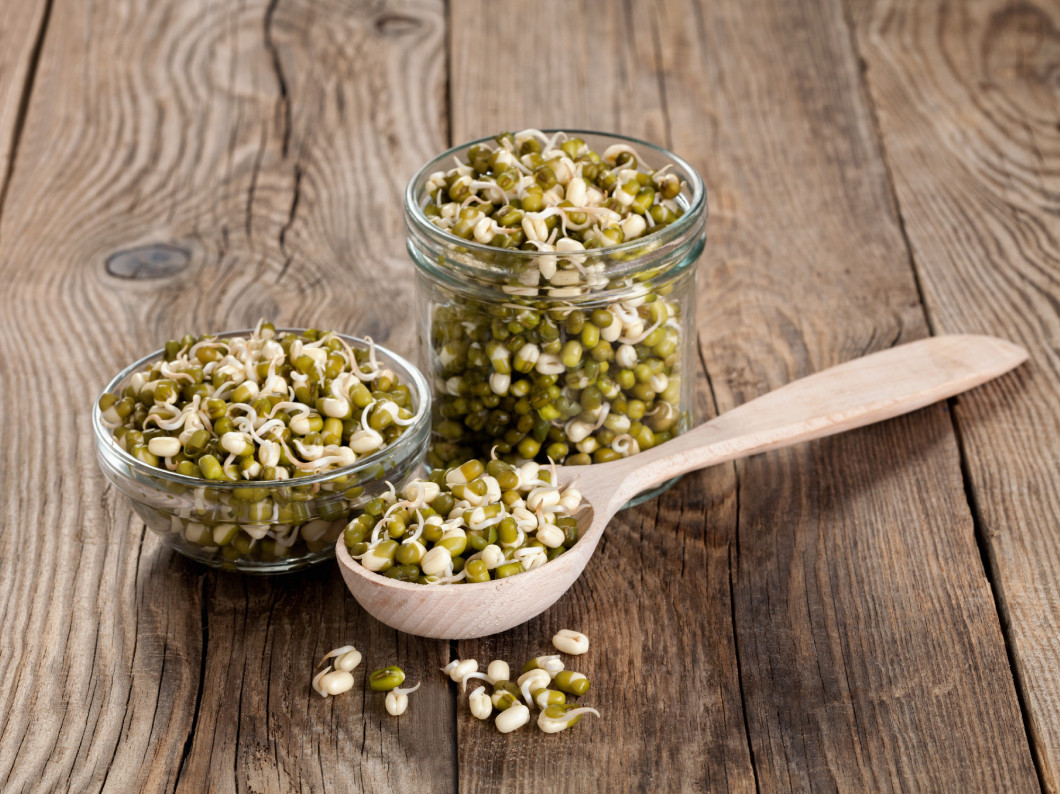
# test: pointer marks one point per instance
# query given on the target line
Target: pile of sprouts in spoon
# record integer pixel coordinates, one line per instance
(472, 523)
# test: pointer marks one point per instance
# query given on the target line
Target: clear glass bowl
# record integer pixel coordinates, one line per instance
(281, 525)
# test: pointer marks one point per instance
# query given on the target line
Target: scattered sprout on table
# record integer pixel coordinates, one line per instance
(461, 670)
(551, 664)
(571, 682)
(480, 704)
(346, 658)
(397, 700)
(497, 670)
(338, 679)
(512, 718)
(533, 680)
(505, 693)
(332, 682)
(335, 681)
(560, 716)
(386, 678)
(571, 642)
(513, 701)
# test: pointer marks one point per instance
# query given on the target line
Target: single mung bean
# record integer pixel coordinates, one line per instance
(550, 664)
(512, 718)
(505, 693)
(571, 682)
(462, 669)
(497, 670)
(543, 698)
(560, 716)
(480, 704)
(531, 680)
(332, 682)
(397, 700)
(386, 678)
(570, 642)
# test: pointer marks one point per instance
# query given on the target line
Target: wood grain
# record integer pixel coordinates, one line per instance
(21, 31)
(867, 650)
(663, 660)
(265, 141)
(814, 618)
(968, 110)
(870, 651)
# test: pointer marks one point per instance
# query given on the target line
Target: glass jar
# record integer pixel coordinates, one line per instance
(263, 526)
(578, 355)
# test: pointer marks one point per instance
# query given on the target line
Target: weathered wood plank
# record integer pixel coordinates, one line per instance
(666, 685)
(870, 650)
(869, 653)
(22, 26)
(968, 108)
(263, 143)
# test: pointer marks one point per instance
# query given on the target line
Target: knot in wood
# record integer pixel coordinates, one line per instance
(148, 262)
(393, 25)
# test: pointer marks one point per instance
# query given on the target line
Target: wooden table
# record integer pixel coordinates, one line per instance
(875, 611)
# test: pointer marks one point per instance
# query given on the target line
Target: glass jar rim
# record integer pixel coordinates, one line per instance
(419, 424)
(417, 220)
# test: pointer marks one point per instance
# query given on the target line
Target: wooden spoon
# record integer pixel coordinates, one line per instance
(857, 393)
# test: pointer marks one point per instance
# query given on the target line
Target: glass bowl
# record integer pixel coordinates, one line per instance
(263, 527)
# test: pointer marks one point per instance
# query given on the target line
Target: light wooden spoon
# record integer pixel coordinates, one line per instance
(857, 393)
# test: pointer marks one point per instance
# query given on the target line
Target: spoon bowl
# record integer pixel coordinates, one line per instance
(857, 393)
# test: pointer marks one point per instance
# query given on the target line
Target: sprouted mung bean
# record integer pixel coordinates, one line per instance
(505, 693)
(512, 718)
(543, 697)
(336, 680)
(571, 642)
(461, 671)
(480, 704)
(533, 680)
(497, 670)
(346, 658)
(397, 700)
(571, 682)
(471, 523)
(560, 716)
(551, 664)
(546, 372)
(332, 682)
(267, 407)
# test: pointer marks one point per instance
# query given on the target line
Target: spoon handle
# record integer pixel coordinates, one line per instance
(856, 393)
